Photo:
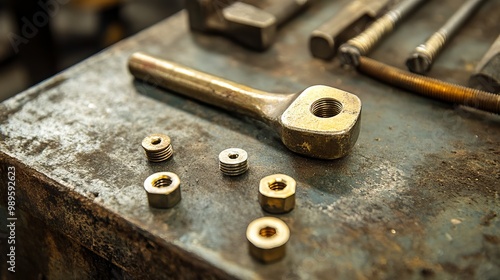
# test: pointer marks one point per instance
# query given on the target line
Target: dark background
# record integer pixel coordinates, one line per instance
(39, 38)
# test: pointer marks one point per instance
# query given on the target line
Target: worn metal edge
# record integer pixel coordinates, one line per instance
(96, 228)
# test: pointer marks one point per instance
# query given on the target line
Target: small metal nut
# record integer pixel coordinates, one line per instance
(163, 189)
(233, 162)
(277, 193)
(157, 147)
(267, 238)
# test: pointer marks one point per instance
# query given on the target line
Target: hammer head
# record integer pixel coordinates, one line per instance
(322, 122)
(243, 22)
(250, 25)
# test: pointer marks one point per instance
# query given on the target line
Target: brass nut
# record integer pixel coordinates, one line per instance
(267, 238)
(157, 147)
(277, 193)
(233, 161)
(163, 189)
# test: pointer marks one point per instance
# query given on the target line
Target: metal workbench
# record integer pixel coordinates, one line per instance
(418, 196)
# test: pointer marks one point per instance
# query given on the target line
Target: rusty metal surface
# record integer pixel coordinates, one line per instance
(52, 255)
(417, 197)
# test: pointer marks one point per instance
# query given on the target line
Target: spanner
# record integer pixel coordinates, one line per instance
(320, 122)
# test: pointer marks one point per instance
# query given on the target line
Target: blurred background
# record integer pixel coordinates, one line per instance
(39, 38)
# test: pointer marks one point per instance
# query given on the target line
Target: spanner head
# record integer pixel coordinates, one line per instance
(322, 122)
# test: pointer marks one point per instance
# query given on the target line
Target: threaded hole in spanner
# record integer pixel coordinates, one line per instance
(267, 232)
(326, 108)
(162, 182)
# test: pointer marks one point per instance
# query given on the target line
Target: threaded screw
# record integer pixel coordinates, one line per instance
(430, 87)
(157, 147)
(364, 42)
(422, 58)
(233, 162)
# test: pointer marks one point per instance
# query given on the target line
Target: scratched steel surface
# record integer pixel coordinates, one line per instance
(418, 197)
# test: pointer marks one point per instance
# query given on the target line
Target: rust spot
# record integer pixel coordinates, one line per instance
(427, 272)
(466, 272)
(486, 220)
(492, 239)
(468, 174)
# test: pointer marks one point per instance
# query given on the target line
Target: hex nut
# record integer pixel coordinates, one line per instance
(267, 238)
(277, 193)
(233, 161)
(158, 147)
(163, 189)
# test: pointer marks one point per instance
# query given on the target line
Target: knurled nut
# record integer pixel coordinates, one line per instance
(233, 161)
(158, 147)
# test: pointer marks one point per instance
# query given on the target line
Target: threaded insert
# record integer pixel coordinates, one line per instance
(326, 108)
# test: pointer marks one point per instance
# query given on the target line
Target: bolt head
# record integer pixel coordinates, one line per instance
(349, 55)
(419, 62)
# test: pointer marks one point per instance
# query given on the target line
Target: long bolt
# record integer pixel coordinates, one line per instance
(430, 87)
(364, 42)
(422, 58)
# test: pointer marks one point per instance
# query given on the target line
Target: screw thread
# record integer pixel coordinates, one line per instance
(160, 155)
(422, 58)
(365, 41)
(233, 169)
(233, 161)
(431, 87)
(434, 45)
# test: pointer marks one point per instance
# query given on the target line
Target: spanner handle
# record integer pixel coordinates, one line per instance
(210, 89)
